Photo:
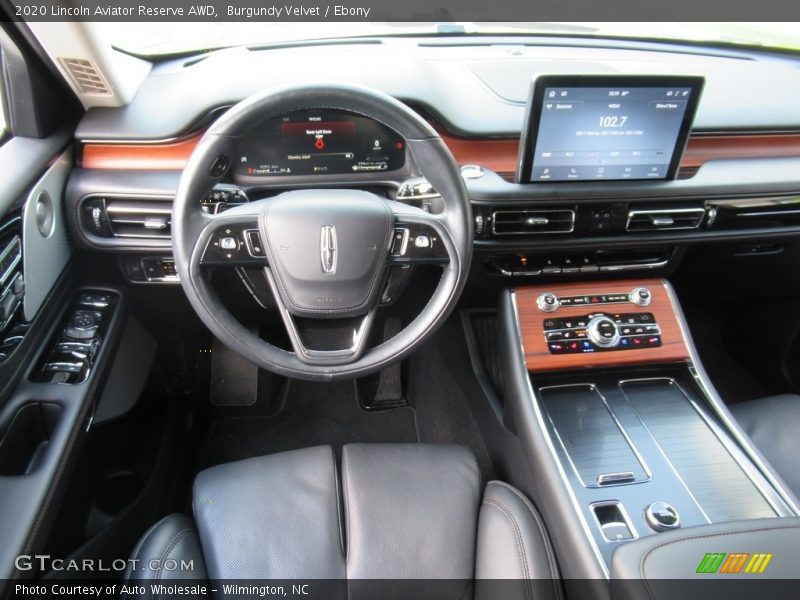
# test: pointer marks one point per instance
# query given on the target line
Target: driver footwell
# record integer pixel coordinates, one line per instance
(309, 414)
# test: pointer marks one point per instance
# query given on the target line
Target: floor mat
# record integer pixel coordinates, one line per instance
(443, 415)
(312, 414)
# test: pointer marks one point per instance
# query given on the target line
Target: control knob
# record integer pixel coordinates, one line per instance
(547, 302)
(603, 332)
(640, 296)
(661, 516)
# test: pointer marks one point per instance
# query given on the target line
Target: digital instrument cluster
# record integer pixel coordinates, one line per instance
(319, 142)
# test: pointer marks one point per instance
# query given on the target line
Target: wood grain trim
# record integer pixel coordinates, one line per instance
(703, 148)
(170, 156)
(499, 155)
(538, 357)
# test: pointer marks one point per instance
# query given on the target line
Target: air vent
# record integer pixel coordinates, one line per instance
(12, 285)
(86, 76)
(667, 219)
(532, 222)
(136, 219)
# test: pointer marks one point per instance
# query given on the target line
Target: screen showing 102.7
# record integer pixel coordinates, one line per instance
(596, 133)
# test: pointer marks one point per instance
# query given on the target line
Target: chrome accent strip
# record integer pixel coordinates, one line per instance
(716, 403)
(666, 211)
(610, 479)
(632, 267)
(15, 245)
(551, 447)
(770, 213)
(605, 268)
(127, 210)
(530, 211)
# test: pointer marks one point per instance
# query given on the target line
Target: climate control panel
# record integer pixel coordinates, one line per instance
(599, 332)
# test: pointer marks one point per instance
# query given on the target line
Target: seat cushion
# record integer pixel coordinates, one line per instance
(169, 550)
(773, 424)
(410, 517)
(272, 517)
(411, 511)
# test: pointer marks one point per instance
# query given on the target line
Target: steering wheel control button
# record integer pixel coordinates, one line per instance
(422, 241)
(254, 246)
(661, 516)
(237, 243)
(547, 302)
(601, 332)
(399, 242)
(229, 243)
(640, 296)
(220, 166)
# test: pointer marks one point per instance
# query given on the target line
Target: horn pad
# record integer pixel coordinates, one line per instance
(327, 250)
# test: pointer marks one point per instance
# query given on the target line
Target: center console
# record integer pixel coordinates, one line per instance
(618, 418)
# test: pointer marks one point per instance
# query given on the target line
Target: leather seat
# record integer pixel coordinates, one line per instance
(393, 515)
(772, 423)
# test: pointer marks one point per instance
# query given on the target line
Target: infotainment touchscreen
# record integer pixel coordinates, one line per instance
(598, 127)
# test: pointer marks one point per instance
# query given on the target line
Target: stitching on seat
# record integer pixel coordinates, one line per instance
(147, 535)
(338, 492)
(173, 542)
(521, 555)
(551, 559)
(346, 502)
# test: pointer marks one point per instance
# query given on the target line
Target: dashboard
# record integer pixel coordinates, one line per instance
(728, 173)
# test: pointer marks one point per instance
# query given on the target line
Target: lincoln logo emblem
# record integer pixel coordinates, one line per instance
(328, 252)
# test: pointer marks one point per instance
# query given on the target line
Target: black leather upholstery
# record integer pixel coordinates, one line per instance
(773, 423)
(272, 517)
(411, 511)
(665, 565)
(408, 512)
(169, 550)
(513, 543)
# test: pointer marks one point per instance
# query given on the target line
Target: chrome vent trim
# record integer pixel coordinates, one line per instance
(665, 219)
(136, 219)
(86, 76)
(532, 221)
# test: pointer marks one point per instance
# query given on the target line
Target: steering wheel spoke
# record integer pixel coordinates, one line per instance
(419, 238)
(324, 341)
(232, 241)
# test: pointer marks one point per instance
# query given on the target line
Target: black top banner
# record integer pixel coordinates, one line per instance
(441, 11)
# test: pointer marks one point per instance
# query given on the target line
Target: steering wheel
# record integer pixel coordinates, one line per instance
(326, 253)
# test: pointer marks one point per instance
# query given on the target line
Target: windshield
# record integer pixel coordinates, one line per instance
(156, 38)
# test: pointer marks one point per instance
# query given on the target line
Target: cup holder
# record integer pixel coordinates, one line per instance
(117, 491)
(24, 441)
